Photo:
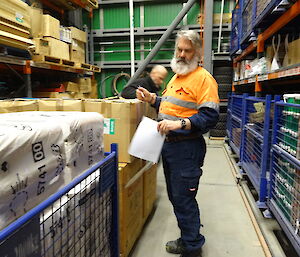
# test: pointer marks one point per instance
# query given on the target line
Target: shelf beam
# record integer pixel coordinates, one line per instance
(284, 19)
(246, 52)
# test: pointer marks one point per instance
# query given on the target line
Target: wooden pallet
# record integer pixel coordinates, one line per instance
(84, 66)
(53, 60)
(96, 68)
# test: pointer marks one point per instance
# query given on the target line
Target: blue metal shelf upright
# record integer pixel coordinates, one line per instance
(81, 219)
(284, 195)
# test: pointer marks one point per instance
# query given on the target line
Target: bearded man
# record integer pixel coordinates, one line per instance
(188, 108)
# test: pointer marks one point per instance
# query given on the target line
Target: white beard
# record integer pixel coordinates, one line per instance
(184, 67)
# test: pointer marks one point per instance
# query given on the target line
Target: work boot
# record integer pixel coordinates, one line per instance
(195, 253)
(175, 246)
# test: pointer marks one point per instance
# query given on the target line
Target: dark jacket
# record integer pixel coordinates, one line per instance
(129, 91)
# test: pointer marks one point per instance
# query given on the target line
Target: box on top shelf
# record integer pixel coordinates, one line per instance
(78, 34)
(51, 27)
(36, 15)
(15, 17)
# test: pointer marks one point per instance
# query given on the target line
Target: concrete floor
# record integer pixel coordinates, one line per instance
(227, 225)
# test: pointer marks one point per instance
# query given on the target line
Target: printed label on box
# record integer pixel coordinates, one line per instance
(19, 17)
(109, 126)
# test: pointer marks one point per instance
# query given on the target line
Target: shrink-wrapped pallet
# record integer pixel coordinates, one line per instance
(82, 136)
(32, 165)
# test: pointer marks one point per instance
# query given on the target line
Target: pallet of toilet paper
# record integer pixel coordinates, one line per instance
(41, 152)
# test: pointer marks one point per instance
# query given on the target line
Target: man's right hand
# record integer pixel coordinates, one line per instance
(144, 95)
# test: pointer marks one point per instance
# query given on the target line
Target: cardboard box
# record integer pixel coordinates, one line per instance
(122, 119)
(85, 85)
(15, 17)
(77, 51)
(294, 52)
(128, 170)
(51, 27)
(71, 86)
(60, 105)
(130, 214)
(36, 22)
(58, 49)
(150, 185)
(78, 34)
(18, 105)
(41, 46)
(226, 18)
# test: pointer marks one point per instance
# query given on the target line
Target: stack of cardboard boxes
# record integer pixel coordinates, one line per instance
(137, 179)
(52, 39)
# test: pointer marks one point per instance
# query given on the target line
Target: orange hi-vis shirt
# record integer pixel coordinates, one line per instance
(186, 94)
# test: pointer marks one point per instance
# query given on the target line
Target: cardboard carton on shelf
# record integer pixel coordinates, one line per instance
(15, 18)
(78, 34)
(50, 27)
(77, 51)
(36, 28)
(41, 46)
(58, 49)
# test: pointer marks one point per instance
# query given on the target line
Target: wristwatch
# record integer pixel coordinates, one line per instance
(183, 123)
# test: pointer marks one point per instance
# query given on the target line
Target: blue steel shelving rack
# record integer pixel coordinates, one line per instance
(28, 234)
(250, 139)
(256, 138)
(284, 194)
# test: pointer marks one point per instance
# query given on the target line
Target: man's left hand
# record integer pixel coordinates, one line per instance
(165, 126)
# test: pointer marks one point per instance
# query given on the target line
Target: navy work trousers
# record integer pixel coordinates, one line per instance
(181, 162)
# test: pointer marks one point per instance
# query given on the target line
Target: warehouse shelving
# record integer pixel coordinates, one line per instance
(29, 68)
(283, 73)
(259, 46)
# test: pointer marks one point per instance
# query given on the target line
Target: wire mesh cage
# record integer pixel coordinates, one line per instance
(79, 220)
(285, 168)
(236, 112)
(247, 19)
(256, 140)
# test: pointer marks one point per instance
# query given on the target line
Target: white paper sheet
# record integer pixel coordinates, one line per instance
(147, 142)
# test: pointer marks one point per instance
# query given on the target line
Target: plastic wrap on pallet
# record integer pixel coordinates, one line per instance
(32, 165)
(82, 135)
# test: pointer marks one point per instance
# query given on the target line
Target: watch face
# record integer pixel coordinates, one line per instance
(183, 124)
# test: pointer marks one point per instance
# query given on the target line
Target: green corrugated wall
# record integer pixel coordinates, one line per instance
(116, 16)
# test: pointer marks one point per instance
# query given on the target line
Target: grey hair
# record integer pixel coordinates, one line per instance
(191, 35)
